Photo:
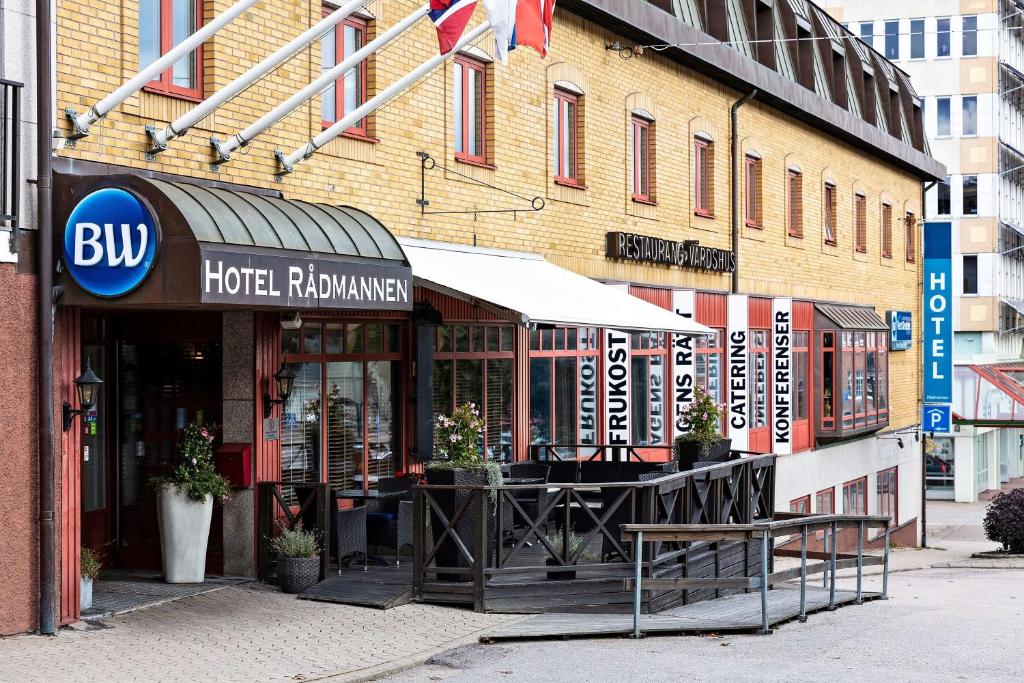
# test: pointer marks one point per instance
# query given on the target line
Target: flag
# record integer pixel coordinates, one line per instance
(450, 18)
(533, 24)
(502, 15)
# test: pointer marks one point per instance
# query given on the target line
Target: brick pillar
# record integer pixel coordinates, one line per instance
(238, 360)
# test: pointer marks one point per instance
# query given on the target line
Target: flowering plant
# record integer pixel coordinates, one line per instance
(195, 473)
(459, 444)
(700, 421)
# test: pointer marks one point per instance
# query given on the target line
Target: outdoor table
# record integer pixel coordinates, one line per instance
(521, 481)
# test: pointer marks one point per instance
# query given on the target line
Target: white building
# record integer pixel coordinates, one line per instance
(966, 61)
(17, 125)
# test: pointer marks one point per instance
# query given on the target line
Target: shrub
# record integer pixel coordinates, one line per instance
(91, 564)
(1004, 520)
(295, 543)
(699, 423)
(460, 445)
(195, 473)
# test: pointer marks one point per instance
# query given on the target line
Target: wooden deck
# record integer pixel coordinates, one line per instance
(381, 587)
(736, 613)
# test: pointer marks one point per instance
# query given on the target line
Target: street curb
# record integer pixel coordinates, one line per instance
(398, 665)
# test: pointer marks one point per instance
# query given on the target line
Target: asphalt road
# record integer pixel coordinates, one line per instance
(940, 624)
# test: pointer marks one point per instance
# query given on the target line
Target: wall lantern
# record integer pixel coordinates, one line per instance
(88, 386)
(285, 379)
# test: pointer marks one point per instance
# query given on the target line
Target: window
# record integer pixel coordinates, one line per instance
(830, 214)
(566, 137)
(703, 176)
(860, 227)
(649, 410)
(348, 92)
(970, 195)
(801, 505)
(855, 497)
(825, 501)
(970, 37)
(970, 115)
(341, 424)
(917, 38)
(470, 110)
(709, 364)
(801, 375)
(828, 374)
(162, 25)
(854, 376)
(641, 146)
(942, 192)
(867, 31)
(942, 37)
(942, 127)
(795, 203)
(970, 267)
(886, 230)
(887, 498)
(759, 389)
(910, 236)
(892, 40)
(473, 363)
(753, 185)
(564, 384)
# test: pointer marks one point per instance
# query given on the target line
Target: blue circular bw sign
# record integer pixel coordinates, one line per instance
(110, 242)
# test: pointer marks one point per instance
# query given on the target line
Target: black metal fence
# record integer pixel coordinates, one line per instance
(10, 153)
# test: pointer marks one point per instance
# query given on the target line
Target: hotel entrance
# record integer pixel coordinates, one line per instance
(161, 372)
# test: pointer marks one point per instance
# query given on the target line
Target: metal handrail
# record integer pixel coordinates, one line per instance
(765, 531)
(10, 154)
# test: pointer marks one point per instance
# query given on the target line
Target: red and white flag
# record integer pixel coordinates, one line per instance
(533, 24)
(450, 18)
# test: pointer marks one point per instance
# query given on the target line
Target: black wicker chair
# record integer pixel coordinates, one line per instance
(350, 533)
(389, 520)
(533, 501)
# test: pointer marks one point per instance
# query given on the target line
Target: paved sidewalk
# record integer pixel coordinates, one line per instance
(243, 633)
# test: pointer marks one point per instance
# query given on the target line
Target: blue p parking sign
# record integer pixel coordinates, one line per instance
(937, 418)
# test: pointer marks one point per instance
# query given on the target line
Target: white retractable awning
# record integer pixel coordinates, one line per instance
(534, 291)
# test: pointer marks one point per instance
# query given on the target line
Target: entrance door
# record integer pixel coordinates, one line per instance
(162, 386)
(97, 508)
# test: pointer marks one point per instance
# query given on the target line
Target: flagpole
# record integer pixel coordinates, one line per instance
(307, 150)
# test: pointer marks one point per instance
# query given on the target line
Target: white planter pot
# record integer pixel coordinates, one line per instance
(85, 593)
(184, 532)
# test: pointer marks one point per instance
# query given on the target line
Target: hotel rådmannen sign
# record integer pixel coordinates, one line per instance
(629, 246)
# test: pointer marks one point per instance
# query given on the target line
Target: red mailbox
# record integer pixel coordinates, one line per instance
(234, 463)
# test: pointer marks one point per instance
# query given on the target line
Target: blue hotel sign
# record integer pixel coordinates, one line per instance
(938, 313)
(900, 331)
(110, 242)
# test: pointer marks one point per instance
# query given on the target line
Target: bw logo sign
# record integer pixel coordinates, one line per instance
(110, 243)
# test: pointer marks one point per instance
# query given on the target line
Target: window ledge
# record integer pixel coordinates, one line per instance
(157, 90)
(474, 162)
(831, 243)
(794, 236)
(755, 226)
(570, 183)
(703, 214)
(360, 137)
(642, 200)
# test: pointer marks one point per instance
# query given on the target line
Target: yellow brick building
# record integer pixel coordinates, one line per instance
(801, 133)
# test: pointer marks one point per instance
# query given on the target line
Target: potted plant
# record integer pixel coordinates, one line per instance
(576, 545)
(91, 565)
(298, 559)
(460, 462)
(185, 507)
(700, 441)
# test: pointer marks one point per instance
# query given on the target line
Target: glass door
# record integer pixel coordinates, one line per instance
(97, 520)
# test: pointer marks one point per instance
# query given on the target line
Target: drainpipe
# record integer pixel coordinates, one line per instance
(44, 142)
(734, 143)
(924, 452)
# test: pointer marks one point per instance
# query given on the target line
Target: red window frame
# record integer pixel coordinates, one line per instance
(830, 216)
(706, 348)
(820, 499)
(567, 174)
(641, 162)
(652, 344)
(827, 342)
(794, 203)
(164, 84)
(886, 230)
(801, 505)
(477, 342)
(888, 496)
(853, 489)
(468, 127)
(760, 344)
(860, 223)
(802, 427)
(702, 169)
(360, 129)
(551, 344)
(910, 236)
(752, 166)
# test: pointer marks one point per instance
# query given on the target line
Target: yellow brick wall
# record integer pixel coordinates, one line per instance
(97, 50)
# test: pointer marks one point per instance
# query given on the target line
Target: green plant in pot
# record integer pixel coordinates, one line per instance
(459, 461)
(701, 440)
(298, 559)
(577, 549)
(91, 566)
(185, 506)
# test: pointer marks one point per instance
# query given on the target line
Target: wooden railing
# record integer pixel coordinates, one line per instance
(479, 537)
(642, 535)
(287, 504)
(551, 452)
